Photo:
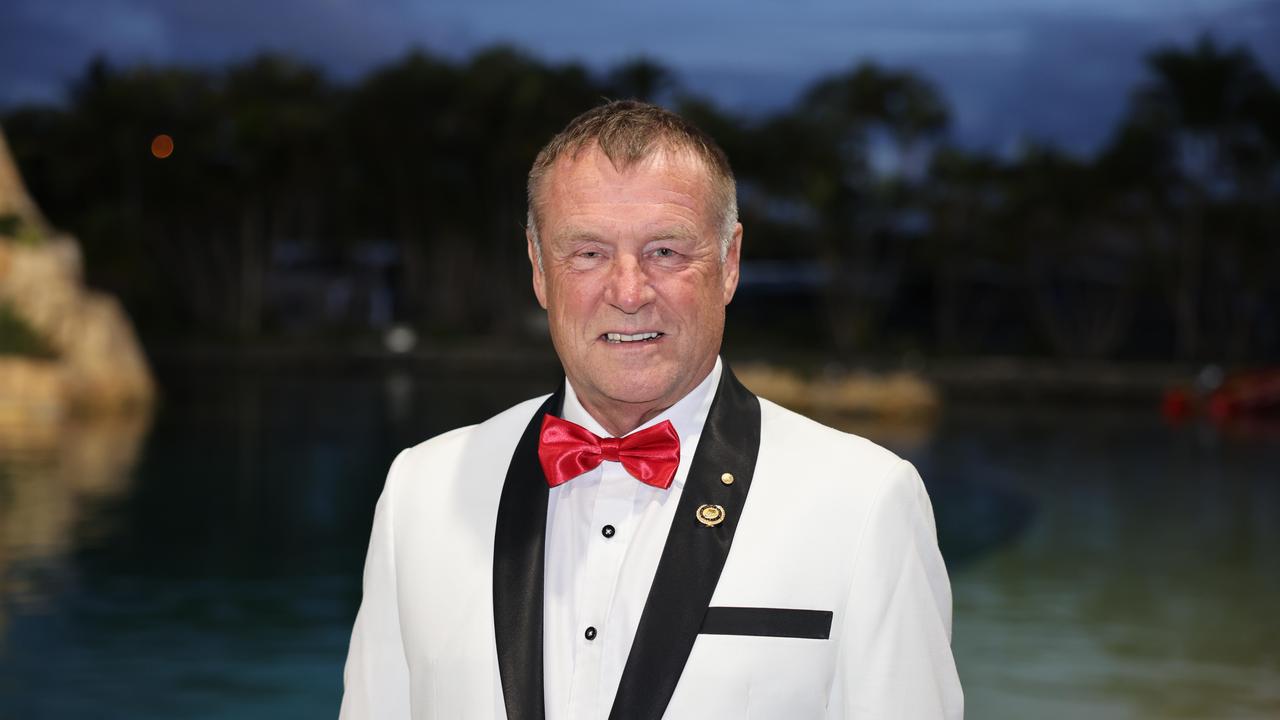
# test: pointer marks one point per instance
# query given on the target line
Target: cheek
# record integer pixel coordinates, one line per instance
(712, 315)
(570, 307)
(708, 297)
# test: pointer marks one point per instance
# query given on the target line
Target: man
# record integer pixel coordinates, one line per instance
(652, 540)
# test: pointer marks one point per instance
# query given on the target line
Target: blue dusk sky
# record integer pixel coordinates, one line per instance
(1056, 70)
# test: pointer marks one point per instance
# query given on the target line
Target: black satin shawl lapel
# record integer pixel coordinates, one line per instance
(694, 554)
(518, 547)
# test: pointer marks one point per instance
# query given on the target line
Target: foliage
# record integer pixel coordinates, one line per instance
(19, 338)
(918, 243)
(12, 226)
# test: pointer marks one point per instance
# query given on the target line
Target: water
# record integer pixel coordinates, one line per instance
(205, 563)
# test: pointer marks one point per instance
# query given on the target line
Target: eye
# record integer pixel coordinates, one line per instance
(665, 252)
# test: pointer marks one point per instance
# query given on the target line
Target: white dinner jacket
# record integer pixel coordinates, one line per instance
(822, 594)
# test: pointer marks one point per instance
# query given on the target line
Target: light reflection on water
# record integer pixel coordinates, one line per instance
(1147, 585)
(1103, 565)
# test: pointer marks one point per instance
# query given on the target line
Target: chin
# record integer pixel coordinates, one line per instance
(638, 390)
(636, 395)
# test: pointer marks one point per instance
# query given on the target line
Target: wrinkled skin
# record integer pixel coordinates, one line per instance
(632, 252)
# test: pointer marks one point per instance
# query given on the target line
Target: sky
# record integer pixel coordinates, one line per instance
(1012, 70)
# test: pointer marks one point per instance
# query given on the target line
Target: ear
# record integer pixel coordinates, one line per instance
(539, 279)
(732, 261)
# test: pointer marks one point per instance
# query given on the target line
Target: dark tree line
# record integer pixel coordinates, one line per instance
(1166, 242)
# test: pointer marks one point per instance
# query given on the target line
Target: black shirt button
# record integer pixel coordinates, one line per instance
(590, 634)
(607, 531)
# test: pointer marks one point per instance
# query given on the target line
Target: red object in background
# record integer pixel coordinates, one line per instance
(1250, 395)
(162, 146)
(1219, 406)
(1247, 393)
(1176, 405)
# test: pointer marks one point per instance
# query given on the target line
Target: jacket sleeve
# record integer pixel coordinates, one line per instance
(376, 677)
(894, 659)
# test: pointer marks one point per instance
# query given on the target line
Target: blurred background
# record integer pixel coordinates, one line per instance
(248, 251)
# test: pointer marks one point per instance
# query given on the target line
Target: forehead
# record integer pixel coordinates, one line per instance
(670, 182)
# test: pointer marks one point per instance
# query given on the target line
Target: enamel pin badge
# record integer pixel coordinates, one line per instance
(710, 515)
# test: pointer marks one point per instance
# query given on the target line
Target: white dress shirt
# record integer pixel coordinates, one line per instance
(605, 534)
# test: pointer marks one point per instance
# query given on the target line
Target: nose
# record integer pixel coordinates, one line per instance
(628, 289)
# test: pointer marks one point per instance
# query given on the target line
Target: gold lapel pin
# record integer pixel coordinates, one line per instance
(710, 515)
(727, 478)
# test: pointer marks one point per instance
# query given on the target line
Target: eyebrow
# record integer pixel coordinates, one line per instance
(576, 235)
(673, 233)
(573, 235)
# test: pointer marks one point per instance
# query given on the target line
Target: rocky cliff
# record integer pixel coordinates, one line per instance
(95, 362)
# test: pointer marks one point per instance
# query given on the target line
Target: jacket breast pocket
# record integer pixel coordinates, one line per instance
(767, 622)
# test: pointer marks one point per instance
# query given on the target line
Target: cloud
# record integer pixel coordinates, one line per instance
(1043, 68)
(45, 45)
(1075, 78)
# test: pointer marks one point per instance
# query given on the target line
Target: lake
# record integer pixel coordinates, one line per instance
(205, 562)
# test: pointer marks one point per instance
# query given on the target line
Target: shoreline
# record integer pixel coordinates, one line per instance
(995, 378)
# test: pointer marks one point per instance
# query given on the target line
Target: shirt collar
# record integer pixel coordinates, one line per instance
(687, 416)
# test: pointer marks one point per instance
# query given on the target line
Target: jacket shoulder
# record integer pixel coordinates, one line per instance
(497, 435)
(804, 458)
(788, 432)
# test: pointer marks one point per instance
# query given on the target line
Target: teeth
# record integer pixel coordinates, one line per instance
(619, 337)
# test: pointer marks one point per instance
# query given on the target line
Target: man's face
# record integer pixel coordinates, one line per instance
(632, 279)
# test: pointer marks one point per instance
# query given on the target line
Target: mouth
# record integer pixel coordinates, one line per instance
(614, 338)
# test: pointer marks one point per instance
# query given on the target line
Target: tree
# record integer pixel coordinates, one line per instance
(407, 178)
(281, 119)
(640, 79)
(865, 216)
(1204, 127)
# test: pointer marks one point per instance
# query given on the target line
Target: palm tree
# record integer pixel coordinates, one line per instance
(409, 173)
(281, 117)
(1204, 127)
(850, 116)
(641, 79)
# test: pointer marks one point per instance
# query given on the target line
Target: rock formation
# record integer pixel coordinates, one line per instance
(99, 364)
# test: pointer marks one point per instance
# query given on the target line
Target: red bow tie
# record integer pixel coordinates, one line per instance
(568, 450)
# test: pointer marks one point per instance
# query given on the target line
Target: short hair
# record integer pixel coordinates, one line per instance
(627, 132)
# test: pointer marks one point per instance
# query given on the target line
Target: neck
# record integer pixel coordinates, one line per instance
(621, 418)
